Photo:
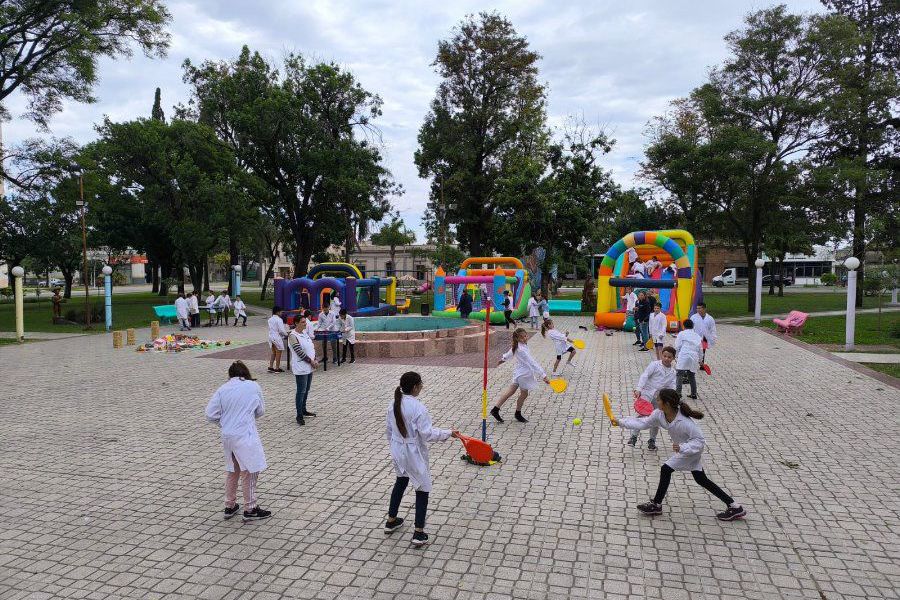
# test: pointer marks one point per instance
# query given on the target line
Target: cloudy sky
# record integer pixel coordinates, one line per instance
(615, 64)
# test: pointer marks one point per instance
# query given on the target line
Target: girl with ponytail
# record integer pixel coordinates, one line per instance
(677, 417)
(561, 341)
(409, 431)
(524, 377)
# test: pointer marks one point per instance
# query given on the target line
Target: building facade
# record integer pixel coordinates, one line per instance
(409, 260)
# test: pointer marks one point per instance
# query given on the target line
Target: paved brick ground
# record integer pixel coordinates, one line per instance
(112, 483)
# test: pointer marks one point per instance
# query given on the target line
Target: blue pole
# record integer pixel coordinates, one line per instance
(237, 283)
(107, 284)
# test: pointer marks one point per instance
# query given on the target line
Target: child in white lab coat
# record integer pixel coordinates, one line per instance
(240, 311)
(194, 309)
(676, 417)
(658, 325)
(659, 374)
(335, 306)
(234, 408)
(560, 340)
(705, 326)
(409, 431)
(533, 311)
(277, 332)
(688, 345)
(347, 327)
(525, 375)
(211, 308)
(182, 311)
(327, 321)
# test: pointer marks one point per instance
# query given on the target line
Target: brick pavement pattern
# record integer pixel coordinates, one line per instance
(113, 482)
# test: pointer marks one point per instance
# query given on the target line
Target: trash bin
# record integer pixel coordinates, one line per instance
(426, 309)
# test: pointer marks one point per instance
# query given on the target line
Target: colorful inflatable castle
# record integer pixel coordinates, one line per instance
(361, 296)
(489, 278)
(676, 282)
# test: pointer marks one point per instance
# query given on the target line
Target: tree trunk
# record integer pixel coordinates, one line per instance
(750, 255)
(179, 277)
(196, 271)
(301, 260)
(154, 277)
(68, 276)
(206, 273)
(164, 271)
(269, 270)
(234, 258)
(859, 242)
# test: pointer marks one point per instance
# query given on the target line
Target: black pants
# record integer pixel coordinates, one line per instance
(236, 317)
(352, 354)
(507, 314)
(665, 475)
(397, 496)
(691, 377)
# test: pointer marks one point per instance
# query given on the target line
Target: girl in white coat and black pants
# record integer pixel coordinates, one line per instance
(525, 375)
(234, 408)
(409, 431)
(689, 347)
(677, 418)
(560, 340)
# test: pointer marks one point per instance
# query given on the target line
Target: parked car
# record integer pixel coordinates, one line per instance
(54, 282)
(729, 277)
(768, 280)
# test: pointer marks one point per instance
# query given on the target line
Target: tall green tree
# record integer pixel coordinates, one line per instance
(307, 133)
(392, 234)
(488, 104)
(50, 48)
(861, 114)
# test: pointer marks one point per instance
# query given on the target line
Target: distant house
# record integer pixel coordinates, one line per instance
(372, 259)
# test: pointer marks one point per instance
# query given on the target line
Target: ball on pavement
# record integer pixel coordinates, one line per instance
(576, 422)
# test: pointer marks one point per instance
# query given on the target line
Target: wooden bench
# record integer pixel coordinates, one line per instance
(793, 323)
(166, 313)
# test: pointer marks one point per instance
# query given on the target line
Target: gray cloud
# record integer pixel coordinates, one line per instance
(616, 64)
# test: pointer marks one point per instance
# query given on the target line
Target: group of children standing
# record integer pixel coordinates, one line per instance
(187, 309)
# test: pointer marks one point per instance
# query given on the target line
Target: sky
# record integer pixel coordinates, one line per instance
(613, 64)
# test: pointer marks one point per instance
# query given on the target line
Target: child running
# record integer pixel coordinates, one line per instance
(409, 432)
(561, 341)
(689, 347)
(277, 332)
(240, 311)
(524, 377)
(658, 325)
(677, 417)
(658, 375)
(234, 408)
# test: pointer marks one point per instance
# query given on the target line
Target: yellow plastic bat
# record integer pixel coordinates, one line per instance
(608, 408)
(559, 385)
(649, 344)
(578, 344)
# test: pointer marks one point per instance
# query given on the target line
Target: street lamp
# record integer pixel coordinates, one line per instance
(852, 263)
(236, 280)
(107, 288)
(757, 311)
(18, 273)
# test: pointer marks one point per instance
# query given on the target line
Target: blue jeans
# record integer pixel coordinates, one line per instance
(304, 382)
(644, 331)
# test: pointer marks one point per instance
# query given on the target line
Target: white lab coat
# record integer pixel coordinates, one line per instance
(658, 325)
(638, 269)
(235, 407)
(533, 310)
(705, 328)
(654, 378)
(181, 308)
(239, 308)
(194, 305)
(335, 306)
(688, 347)
(298, 365)
(632, 255)
(348, 327)
(326, 322)
(630, 302)
(311, 329)
(527, 371)
(226, 301)
(211, 304)
(683, 431)
(277, 331)
(410, 453)
(560, 341)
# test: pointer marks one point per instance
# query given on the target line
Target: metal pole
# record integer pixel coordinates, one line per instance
(84, 275)
(851, 309)
(107, 285)
(19, 282)
(487, 336)
(757, 309)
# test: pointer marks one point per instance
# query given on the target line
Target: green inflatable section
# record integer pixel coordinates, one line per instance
(519, 312)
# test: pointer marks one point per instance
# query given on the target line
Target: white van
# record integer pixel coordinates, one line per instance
(729, 277)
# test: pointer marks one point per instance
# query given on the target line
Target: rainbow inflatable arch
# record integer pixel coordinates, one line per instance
(676, 284)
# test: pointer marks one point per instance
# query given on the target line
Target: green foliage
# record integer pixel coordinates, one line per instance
(50, 50)
(828, 278)
(7, 292)
(393, 234)
(483, 130)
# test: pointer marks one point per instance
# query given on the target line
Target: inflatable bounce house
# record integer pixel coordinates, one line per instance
(493, 277)
(361, 296)
(676, 283)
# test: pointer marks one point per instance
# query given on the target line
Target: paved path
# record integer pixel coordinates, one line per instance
(870, 357)
(113, 482)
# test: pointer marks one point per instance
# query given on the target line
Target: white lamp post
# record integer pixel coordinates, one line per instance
(236, 280)
(852, 263)
(757, 309)
(18, 274)
(107, 286)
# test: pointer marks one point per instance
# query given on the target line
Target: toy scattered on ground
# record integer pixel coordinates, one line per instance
(676, 281)
(177, 342)
(361, 296)
(490, 281)
(576, 421)
(558, 385)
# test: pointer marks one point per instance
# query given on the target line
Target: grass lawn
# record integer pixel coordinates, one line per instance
(892, 370)
(129, 310)
(831, 330)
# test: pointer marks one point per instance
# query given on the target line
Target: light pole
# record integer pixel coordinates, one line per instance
(18, 274)
(852, 263)
(757, 309)
(80, 204)
(107, 288)
(236, 280)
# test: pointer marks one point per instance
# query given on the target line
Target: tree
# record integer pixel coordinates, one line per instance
(157, 113)
(488, 104)
(859, 149)
(393, 234)
(305, 134)
(50, 48)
